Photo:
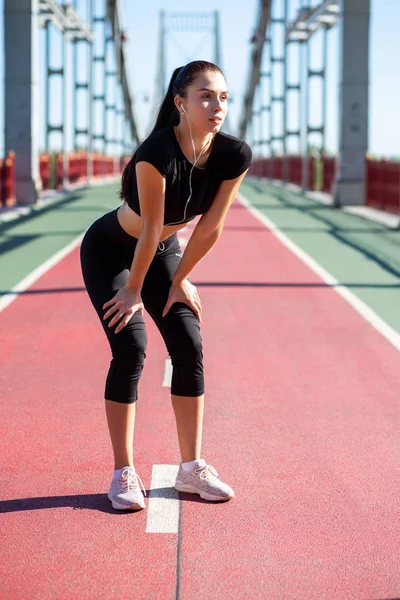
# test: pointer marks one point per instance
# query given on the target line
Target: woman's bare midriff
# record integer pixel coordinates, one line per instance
(132, 223)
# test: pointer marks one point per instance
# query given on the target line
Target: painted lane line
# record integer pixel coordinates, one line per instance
(167, 373)
(38, 272)
(163, 505)
(30, 279)
(361, 307)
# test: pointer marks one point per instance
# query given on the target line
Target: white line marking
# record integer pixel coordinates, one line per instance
(46, 266)
(163, 506)
(363, 309)
(167, 373)
(38, 272)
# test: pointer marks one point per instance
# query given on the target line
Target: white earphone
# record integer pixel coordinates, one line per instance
(191, 170)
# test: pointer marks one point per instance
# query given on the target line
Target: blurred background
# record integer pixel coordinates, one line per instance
(314, 84)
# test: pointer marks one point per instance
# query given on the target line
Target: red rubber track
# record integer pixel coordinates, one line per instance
(302, 419)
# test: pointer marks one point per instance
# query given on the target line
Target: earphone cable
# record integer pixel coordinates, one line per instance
(191, 171)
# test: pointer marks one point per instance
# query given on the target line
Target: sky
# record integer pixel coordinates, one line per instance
(238, 19)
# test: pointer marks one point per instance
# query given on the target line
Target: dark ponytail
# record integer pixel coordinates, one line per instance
(168, 113)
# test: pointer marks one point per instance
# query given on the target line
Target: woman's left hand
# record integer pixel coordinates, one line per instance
(184, 292)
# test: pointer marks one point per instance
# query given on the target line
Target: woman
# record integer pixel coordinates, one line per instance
(131, 260)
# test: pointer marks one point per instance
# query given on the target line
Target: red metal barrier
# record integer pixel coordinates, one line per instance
(295, 166)
(277, 168)
(44, 170)
(123, 161)
(383, 185)
(274, 168)
(311, 173)
(253, 169)
(110, 165)
(295, 170)
(328, 173)
(7, 180)
(76, 169)
(382, 177)
(59, 170)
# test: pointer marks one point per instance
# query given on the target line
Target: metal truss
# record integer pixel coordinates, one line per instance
(309, 20)
(183, 23)
(262, 98)
(65, 19)
(68, 22)
(124, 70)
(118, 129)
(263, 18)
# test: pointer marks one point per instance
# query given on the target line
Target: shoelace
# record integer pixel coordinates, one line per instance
(128, 480)
(206, 471)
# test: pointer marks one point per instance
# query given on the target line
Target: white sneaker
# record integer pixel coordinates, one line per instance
(125, 493)
(203, 480)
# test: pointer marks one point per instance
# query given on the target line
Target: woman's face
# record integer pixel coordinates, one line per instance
(206, 102)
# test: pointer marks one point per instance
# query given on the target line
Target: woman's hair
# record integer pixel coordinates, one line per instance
(168, 114)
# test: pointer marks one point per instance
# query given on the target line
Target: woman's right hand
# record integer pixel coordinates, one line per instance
(124, 304)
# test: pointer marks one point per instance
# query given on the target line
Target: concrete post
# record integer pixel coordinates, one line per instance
(21, 95)
(353, 102)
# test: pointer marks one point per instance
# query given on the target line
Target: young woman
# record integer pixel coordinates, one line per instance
(131, 261)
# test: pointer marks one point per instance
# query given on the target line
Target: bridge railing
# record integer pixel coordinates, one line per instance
(274, 168)
(51, 171)
(382, 177)
(7, 180)
(383, 185)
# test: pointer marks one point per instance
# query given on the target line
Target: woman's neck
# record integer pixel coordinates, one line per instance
(202, 142)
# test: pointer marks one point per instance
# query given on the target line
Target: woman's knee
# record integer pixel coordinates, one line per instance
(186, 342)
(187, 361)
(123, 379)
(128, 348)
(192, 347)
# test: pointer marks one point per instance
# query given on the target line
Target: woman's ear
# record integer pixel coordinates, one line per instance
(179, 104)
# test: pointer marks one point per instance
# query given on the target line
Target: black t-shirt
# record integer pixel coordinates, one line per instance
(229, 158)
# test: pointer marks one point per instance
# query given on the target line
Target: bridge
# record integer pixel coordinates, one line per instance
(300, 296)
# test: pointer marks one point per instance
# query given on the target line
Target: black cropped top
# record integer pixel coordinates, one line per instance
(229, 158)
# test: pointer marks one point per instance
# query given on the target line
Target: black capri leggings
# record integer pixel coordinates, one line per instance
(106, 256)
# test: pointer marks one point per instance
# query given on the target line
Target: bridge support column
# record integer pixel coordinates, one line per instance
(21, 91)
(353, 102)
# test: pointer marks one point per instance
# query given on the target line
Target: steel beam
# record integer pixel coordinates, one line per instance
(309, 20)
(124, 70)
(65, 18)
(264, 12)
(183, 23)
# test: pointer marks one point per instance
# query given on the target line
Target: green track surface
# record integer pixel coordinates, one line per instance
(362, 255)
(26, 242)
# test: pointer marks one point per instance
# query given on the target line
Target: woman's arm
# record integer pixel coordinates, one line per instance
(208, 229)
(127, 301)
(151, 190)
